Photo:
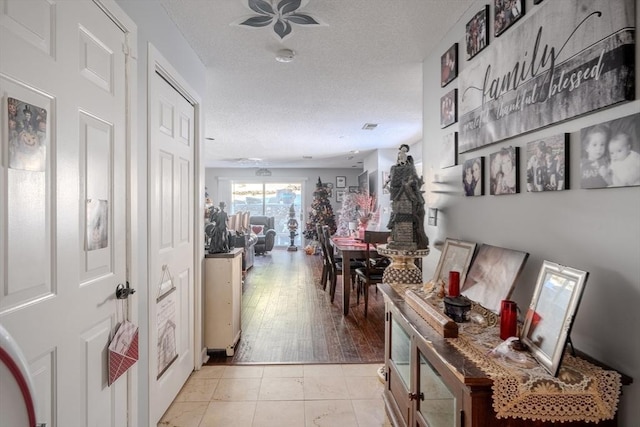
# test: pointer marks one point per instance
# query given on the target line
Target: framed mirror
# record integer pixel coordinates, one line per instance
(550, 315)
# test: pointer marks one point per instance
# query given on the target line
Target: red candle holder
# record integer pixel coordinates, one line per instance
(508, 319)
(454, 284)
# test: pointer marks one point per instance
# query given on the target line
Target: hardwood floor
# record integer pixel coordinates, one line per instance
(288, 318)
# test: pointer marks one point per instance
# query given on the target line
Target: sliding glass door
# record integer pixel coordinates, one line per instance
(270, 199)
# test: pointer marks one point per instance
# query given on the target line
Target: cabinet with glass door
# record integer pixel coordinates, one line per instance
(415, 393)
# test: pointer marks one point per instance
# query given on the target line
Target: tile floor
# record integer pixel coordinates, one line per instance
(280, 395)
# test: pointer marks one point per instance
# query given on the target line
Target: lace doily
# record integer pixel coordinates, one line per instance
(580, 392)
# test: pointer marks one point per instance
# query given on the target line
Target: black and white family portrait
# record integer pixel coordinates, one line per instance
(610, 155)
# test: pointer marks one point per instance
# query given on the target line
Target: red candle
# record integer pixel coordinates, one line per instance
(508, 319)
(454, 283)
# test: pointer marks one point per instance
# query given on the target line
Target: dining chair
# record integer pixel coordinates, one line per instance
(374, 267)
(325, 259)
(335, 263)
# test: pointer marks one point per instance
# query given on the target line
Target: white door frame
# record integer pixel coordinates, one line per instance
(130, 29)
(156, 63)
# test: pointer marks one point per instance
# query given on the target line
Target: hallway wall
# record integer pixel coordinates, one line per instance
(593, 230)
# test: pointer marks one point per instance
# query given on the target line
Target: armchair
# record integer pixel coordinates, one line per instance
(266, 236)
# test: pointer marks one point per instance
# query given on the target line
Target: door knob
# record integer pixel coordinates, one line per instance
(123, 292)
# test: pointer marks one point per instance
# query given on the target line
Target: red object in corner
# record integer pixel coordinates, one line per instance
(508, 319)
(454, 284)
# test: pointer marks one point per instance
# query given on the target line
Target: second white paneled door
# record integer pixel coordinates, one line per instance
(171, 243)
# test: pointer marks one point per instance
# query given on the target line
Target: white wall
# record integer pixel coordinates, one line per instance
(593, 230)
(153, 27)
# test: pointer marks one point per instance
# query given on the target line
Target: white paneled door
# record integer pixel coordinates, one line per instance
(63, 245)
(171, 244)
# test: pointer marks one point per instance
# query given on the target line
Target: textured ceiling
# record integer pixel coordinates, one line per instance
(363, 65)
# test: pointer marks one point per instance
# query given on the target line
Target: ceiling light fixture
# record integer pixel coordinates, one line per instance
(285, 55)
(369, 126)
(279, 17)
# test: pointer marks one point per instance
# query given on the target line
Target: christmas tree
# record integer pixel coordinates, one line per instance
(348, 213)
(320, 212)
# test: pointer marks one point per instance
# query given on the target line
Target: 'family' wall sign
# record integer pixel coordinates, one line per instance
(566, 59)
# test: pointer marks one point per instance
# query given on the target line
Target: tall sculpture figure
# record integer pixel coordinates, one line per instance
(220, 236)
(407, 205)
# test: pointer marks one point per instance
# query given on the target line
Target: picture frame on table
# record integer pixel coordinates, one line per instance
(493, 275)
(449, 65)
(504, 173)
(506, 13)
(477, 33)
(547, 163)
(553, 307)
(341, 181)
(340, 196)
(449, 108)
(456, 256)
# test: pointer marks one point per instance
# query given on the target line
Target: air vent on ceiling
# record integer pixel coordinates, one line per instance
(370, 126)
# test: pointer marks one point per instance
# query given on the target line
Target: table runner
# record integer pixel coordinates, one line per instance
(581, 391)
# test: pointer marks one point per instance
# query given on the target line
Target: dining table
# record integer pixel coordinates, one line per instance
(350, 249)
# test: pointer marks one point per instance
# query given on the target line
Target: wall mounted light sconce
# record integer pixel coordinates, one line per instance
(432, 216)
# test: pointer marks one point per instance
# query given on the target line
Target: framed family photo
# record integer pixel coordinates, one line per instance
(341, 181)
(503, 171)
(610, 154)
(449, 65)
(449, 108)
(477, 34)
(547, 163)
(472, 177)
(340, 196)
(506, 13)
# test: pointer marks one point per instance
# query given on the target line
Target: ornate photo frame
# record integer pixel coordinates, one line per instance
(550, 316)
(456, 256)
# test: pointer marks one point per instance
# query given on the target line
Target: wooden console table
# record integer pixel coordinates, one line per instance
(428, 382)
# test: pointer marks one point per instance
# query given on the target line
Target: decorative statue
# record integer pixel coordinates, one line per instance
(407, 205)
(219, 236)
(292, 224)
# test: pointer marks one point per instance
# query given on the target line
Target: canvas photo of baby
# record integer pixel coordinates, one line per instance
(611, 153)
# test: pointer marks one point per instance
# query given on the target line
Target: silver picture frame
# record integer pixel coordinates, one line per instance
(550, 316)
